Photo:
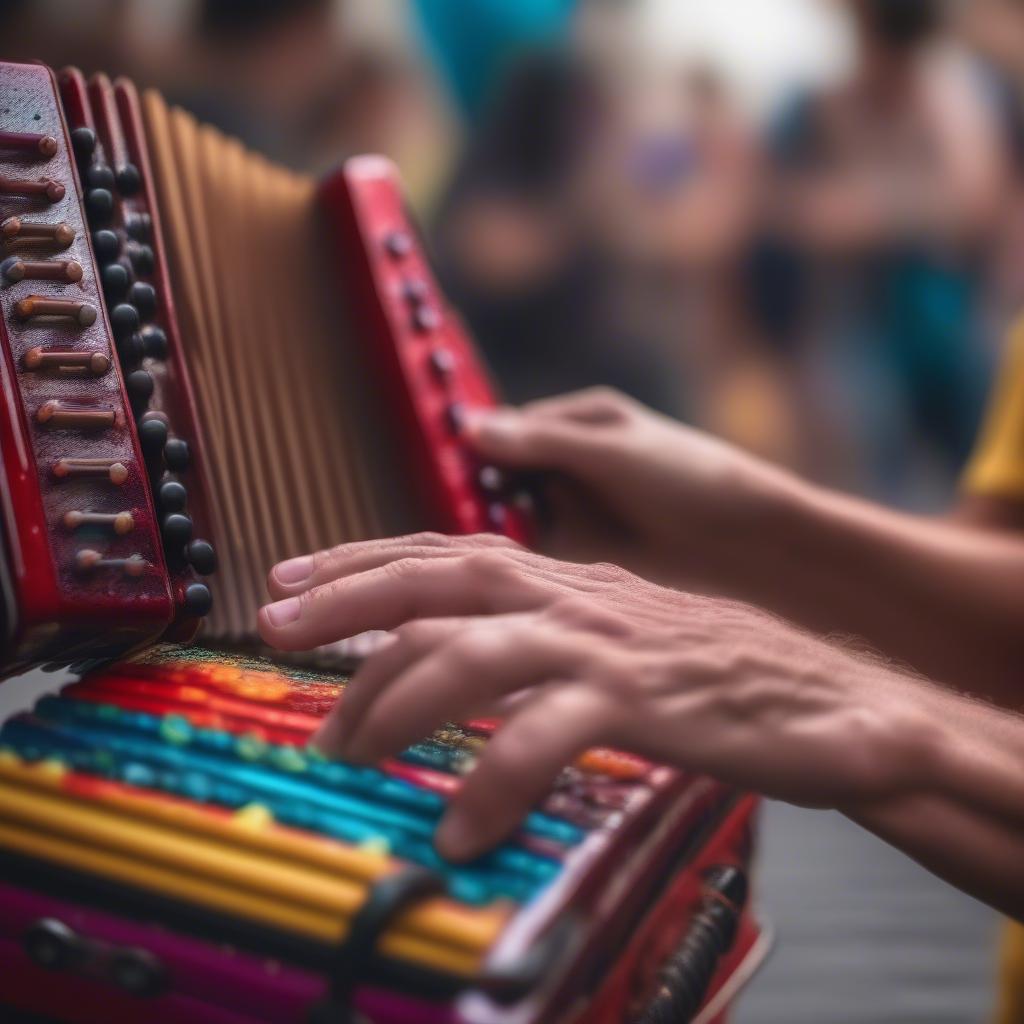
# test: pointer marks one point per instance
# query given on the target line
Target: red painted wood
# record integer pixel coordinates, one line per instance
(364, 205)
(60, 614)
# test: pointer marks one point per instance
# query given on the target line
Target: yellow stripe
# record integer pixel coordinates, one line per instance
(188, 830)
(219, 897)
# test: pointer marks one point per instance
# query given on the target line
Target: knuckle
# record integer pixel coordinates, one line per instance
(583, 613)
(515, 749)
(429, 539)
(412, 634)
(608, 572)
(607, 399)
(487, 566)
(493, 540)
(324, 559)
(571, 611)
(475, 647)
(404, 568)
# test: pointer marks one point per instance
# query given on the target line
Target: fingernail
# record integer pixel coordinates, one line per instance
(295, 570)
(488, 425)
(454, 838)
(282, 613)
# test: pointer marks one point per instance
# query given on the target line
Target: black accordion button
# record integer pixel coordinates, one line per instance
(115, 281)
(177, 530)
(143, 259)
(201, 556)
(124, 319)
(129, 181)
(455, 415)
(130, 349)
(143, 297)
(154, 342)
(137, 972)
(172, 496)
(198, 599)
(398, 244)
(491, 479)
(426, 319)
(497, 516)
(99, 205)
(139, 226)
(106, 245)
(442, 362)
(83, 141)
(153, 436)
(176, 454)
(52, 944)
(415, 290)
(139, 385)
(99, 176)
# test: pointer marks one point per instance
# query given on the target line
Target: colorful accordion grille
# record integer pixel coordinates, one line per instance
(187, 775)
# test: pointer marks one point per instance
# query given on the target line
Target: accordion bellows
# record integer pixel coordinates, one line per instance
(210, 364)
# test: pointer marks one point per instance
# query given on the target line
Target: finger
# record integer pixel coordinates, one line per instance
(465, 674)
(523, 441)
(478, 583)
(517, 768)
(307, 571)
(593, 406)
(409, 644)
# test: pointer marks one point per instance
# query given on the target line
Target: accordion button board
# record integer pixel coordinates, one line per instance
(82, 547)
(111, 164)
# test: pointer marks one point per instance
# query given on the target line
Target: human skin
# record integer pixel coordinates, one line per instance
(628, 486)
(572, 655)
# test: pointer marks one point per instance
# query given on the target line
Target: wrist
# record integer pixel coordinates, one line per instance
(764, 515)
(906, 743)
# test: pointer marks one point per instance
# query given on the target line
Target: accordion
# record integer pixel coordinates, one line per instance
(210, 364)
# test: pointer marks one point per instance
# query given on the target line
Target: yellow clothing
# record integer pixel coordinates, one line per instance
(997, 470)
(997, 466)
(1011, 975)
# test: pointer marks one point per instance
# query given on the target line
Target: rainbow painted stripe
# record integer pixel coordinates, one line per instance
(192, 776)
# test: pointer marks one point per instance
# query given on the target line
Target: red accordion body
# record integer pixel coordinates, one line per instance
(208, 364)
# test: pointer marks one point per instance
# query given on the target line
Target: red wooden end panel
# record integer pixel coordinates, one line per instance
(428, 365)
(86, 572)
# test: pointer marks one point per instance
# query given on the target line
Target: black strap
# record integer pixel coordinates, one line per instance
(388, 899)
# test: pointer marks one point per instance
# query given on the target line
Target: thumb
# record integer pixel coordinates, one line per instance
(525, 441)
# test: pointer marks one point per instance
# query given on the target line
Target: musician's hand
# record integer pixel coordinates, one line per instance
(572, 656)
(633, 487)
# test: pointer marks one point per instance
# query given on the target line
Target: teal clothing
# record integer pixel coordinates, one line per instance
(474, 41)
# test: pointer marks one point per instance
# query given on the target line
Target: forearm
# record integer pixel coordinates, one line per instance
(942, 597)
(966, 823)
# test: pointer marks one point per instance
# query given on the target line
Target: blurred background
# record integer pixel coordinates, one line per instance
(796, 223)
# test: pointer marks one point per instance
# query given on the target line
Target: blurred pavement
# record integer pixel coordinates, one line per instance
(863, 935)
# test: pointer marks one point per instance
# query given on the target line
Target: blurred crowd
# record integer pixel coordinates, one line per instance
(826, 278)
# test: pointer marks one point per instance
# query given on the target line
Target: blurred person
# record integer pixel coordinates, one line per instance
(476, 44)
(389, 104)
(92, 34)
(994, 29)
(886, 198)
(679, 215)
(260, 70)
(519, 252)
